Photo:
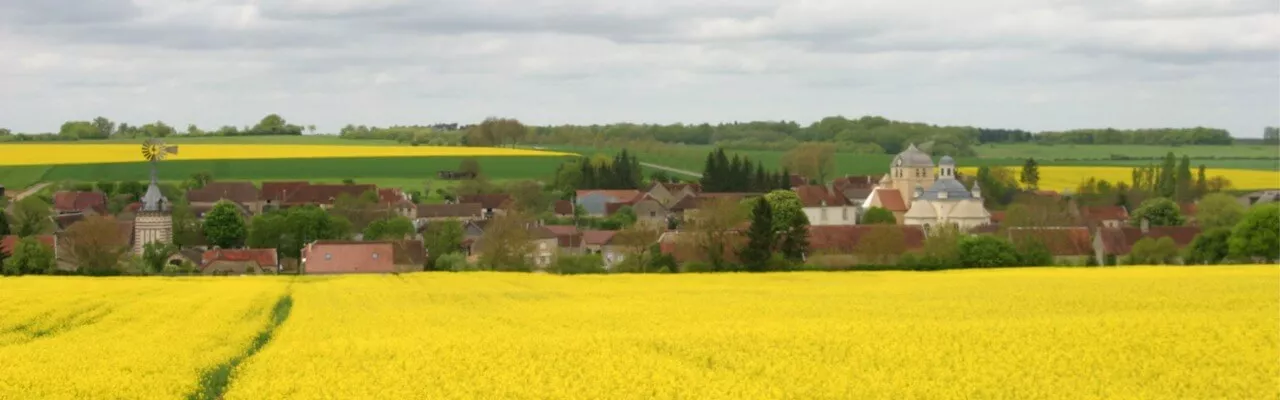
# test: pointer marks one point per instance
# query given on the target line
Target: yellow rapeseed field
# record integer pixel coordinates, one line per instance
(1069, 178)
(1132, 332)
(61, 154)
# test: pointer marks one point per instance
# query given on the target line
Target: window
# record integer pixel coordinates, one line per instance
(328, 256)
(542, 246)
(653, 214)
(375, 256)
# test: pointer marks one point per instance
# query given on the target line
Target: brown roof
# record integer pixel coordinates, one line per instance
(1068, 241)
(1120, 241)
(891, 200)
(817, 195)
(264, 257)
(537, 232)
(200, 210)
(845, 238)
(487, 201)
(390, 196)
(409, 252)
(80, 201)
(280, 191)
(449, 210)
(797, 180)
(566, 235)
(1104, 213)
(619, 196)
(997, 217)
(239, 192)
(612, 208)
(858, 194)
(326, 193)
(8, 242)
(66, 220)
(598, 238)
(339, 257)
(685, 203)
(847, 182)
(564, 207)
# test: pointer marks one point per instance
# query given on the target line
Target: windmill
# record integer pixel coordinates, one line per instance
(155, 151)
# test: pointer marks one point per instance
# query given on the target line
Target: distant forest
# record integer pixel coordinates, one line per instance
(869, 134)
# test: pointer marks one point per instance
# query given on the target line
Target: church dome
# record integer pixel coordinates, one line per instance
(947, 160)
(913, 157)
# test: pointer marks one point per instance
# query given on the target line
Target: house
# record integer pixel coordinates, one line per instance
(650, 213)
(601, 242)
(568, 238)
(290, 194)
(244, 194)
(1105, 216)
(546, 245)
(9, 242)
(203, 209)
(563, 209)
(683, 246)
(688, 206)
(88, 203)
(1118, 242)
(391, 196)
(947, 201)
(347, 257)
(1069, 245)
(823, 206)
(441, 212)
(888, 199)
(274, 194)
(909, 170)
(492, 204)
(239, 262)
(1259, 197)
(670, 193)
(595, 201)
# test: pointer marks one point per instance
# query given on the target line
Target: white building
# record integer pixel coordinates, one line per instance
(947, 201)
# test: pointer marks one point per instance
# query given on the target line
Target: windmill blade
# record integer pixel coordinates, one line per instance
(171, 149)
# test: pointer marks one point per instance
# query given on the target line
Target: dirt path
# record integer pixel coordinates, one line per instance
(672, 170)
(30, 191)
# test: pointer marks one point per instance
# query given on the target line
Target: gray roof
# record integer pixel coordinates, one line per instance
(913, 157)
(954, 189)
(947, 160)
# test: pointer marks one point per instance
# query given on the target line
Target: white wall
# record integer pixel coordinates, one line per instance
(833, 216)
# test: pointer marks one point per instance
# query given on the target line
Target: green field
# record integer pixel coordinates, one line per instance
(395, 172)
(304, 139)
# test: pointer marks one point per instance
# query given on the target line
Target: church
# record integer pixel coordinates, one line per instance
(920, 193)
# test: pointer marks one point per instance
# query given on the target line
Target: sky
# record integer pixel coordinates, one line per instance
(1026, 64)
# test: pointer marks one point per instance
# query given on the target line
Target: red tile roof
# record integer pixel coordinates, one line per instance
(797, 180)
(280, 191)
(1104, 213)
(854, 182)
(488, 201)
(8, 242)
(564, 207)
(566, 236)
(326, 193)
(845, 238)
(891, 199)
(80, 201)
(266, 258)
(338, 257)
(1120, 241)
(390, 196)
(239, 192)
(460, 210)
(817, 195)
(598, 238)
(1071, 241)
(997, 217)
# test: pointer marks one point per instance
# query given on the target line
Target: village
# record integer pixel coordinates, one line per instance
(850, 221)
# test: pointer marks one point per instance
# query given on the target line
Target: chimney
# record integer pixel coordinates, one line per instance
(1146, 226)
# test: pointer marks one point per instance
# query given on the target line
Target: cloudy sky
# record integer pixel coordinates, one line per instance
(1030, 64)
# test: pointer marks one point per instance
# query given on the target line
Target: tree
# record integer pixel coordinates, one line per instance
(104, 127)
(391, 228)
(760, 237)
(155, 255)
(1183, 189)
(1202, 183)
(1030, 175)
(31, 217)
(790, 224)
(941, 248)
(224, 226)
(4, 222)
(29, 257)
(1219, 210)
(881, 245)
(578, 264)
(78, 129)
(1149, 251)
(186, 228)
(507, 243)
(984, 251)
(530, 197)
(496, 132)
(998, 186)
(198, 180)
(442, 237)
(359, 210)
(714, 231)
(1159, 211)
(469, 165)
(1029, 210)
(1255, 237)
(271, 122)
(106, 187)
(1167, 183)
(96, 246)
(815, 160)
(877, 215)
(266, 231)
(134, 189)
(1210, 247)
(636, 242)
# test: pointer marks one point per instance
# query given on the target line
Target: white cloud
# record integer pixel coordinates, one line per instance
(1032, 64)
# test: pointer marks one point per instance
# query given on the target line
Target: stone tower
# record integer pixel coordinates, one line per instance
(153, 223)
(911, 169)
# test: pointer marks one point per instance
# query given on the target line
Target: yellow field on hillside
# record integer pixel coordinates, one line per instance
(1069, 178)
(61, 154)
(1133, 332)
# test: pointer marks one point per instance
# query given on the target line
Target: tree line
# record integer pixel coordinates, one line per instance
(103, 128)
(721, 174)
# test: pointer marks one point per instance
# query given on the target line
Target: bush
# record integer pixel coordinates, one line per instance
(1148, 251)
(456, 262)
(567, 264)
(696, 266)
(987, 252)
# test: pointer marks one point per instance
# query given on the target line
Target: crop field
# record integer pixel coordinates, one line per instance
(1133, 332)
(1069, 178)
(22, 165)
(1106, 151)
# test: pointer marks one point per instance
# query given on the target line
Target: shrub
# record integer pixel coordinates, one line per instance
(987, 252)
(696, 266)
(567, 264)
(456, 262)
